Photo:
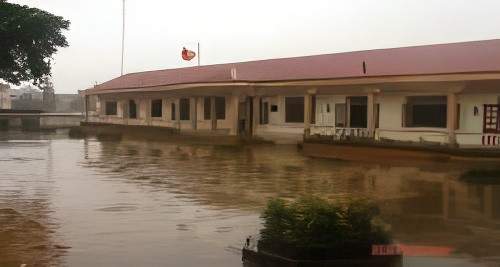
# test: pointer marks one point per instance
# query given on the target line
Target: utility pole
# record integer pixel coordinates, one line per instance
(198, 54)
(123, 36)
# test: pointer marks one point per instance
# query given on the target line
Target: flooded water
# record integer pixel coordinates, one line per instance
(90, 202)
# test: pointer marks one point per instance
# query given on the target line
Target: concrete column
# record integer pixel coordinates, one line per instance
(256, 114)
(233, 114)
(193, 116)
(248, 115)
(125, 110)
(178, 113)
(147, 104)
(213, 117)
(307, 114)
(98, 108)
(86, 107)
(371, 114)
(451, 118)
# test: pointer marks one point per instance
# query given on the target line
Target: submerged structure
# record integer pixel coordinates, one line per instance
(447, 94)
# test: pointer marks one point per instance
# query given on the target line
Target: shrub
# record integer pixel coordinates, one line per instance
(481, 176)
(313, 228)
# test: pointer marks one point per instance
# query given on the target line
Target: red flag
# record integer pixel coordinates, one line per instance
(187, 54)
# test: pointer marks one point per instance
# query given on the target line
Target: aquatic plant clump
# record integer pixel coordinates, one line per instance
(314, 228)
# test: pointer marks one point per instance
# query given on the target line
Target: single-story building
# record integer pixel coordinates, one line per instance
(445, 93)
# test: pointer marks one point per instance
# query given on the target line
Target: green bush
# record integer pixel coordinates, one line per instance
(312, 227)
(481, 176)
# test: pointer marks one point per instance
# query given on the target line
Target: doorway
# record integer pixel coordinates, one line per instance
(245, 117)
(132, 109)
(358, 111)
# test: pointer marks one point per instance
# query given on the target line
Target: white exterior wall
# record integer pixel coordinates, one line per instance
(277, 130)
(469, 134)
(390, 122)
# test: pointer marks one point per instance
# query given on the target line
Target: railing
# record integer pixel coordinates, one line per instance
(340, 133)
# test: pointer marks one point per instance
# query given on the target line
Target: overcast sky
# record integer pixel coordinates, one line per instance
(237, 30)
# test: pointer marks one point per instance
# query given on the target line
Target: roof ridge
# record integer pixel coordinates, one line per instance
(315, 55)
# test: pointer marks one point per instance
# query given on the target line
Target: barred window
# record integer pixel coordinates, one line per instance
(294, 109)
(426, 111)
(220, 108)
(172, 112)
(156, 108)
(111, 107)
(207, 108)
(132, 109)
(184, 109)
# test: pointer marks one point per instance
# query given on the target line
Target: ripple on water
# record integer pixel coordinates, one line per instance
(119, 207)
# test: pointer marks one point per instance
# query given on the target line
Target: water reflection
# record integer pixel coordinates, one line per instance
(26, 228)
(426, 205)
(134, 203)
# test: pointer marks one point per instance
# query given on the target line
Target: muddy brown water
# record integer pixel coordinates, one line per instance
(91, 202)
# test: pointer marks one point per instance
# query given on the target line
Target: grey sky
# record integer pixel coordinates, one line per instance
(237, 30)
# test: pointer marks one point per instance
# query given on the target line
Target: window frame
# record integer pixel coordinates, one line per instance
(488, 118)
(156, 106)
(287, 118)
(173, 112)
(409, 111)
(130, 109)
(338, 106)
(110, 110)
(184, 109)
(220, 108)
(207, 108)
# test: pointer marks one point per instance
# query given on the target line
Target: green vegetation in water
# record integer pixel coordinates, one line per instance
(316, 229)
(485, 176)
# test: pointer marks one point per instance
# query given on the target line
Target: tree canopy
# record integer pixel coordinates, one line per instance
(28, 39)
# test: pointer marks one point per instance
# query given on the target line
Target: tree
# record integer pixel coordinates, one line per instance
(28, 39)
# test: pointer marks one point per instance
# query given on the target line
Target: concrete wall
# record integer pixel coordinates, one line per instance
(277, 130)
(469, 134)
(53, 121)
(144, 114)
(5, 101)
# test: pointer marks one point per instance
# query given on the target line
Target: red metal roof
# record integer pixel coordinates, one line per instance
(466, 57)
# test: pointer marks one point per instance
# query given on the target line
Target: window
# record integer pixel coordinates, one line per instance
(425, 111)
(264, 112)
(132, 109)
(207, 108)
(220, 108)
(156, 108)
(172, 112)
(184, 109)
(294, 109)
(377, 116)
(274, 108)
(358, 111)
(111, 107)
(491, 119)
(340, 115)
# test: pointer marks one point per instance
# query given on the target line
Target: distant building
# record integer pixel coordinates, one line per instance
(68, 103)
(447, 94)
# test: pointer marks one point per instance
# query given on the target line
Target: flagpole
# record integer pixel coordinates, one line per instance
(123, 35)
(198, 54)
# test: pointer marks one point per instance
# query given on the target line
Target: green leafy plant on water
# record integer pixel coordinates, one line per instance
(481, 176)
(314, 224)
